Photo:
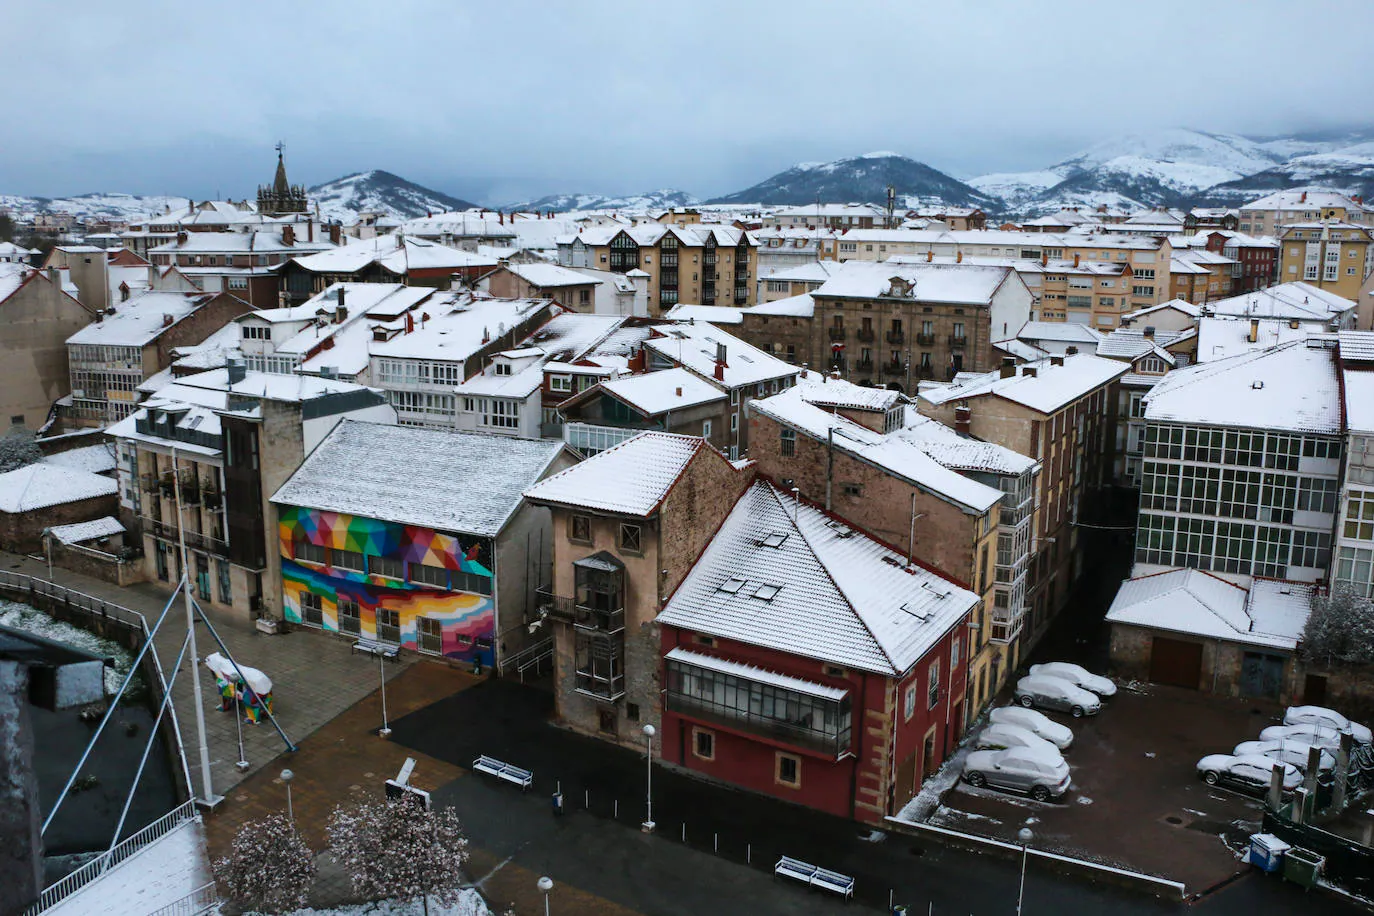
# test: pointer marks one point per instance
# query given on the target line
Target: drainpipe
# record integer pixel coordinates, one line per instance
(829, 464)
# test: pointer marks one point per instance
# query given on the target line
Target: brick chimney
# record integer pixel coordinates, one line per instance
(1149, 332)
(288, 235)
(1028, 371)
(336, 233)
(930, 256)
(1075, 259)
(1056, 360)
(1008, 366)
(963, 420)
(721, 363)
(182, 237)
(1253, 336)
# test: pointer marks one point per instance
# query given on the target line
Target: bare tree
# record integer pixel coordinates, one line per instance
(395, 848)
(269, 868)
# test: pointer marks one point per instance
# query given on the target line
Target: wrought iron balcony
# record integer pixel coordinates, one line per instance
(958, 340)
(584, 617)
(837, 334)
(896, 337)
(865, 334)
(894, 367)
(864, 365)
(925, 340)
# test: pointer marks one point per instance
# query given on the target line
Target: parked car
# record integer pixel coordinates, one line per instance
(1076, 675)
(1294, 752)
(1327, 718)
(1249, 774)
(1056, 693)
(1061, 736)
(1001, 735)
(1038, 774)
(1325, 738)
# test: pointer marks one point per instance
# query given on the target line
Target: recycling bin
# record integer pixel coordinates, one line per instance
(1267, 851)
(1302, 866)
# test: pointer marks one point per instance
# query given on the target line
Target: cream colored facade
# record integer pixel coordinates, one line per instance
(1333, 255)
(1268, 215)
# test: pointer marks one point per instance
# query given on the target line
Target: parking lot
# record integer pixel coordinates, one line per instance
(1136, 800)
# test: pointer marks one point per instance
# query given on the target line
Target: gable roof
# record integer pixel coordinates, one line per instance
(694, 346)
(842, 596)
(631, 478)
(465, 483)
(1201, 604)
(1050, 388)
(958, 283)
(654, 393)
(1287, 300)
(40, 485)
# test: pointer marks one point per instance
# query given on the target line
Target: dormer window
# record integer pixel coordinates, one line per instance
(503, 368)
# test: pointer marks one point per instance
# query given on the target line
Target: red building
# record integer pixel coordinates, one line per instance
(807, 660)
(1257, 260)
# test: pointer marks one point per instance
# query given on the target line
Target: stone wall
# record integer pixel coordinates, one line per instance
(22, 532)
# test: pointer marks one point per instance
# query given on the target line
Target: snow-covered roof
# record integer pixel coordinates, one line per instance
(142, 319)
(802, 306)
(572, 335)
(756, 674)
(820, 389)
(1176, 305)
(1359, 399)
(1302, 199)
(550, 275)
(1292, 386)
(465, 483)
(892, 454)
(1195, 602)
(258, 241)
(1026, 352)
(1046, 388)
(518, 385)
(459, 326)
(693, 236)
(956, 283)
(1132, 343)
(810, 272)
(654, 393)
(39, 485)
(631, 478)
(12, 276)
(829, 592)
(694, 346)
(1229, 335)
(1060, 332)
(103, 527)
(715, 314)
(963, 453)
(96, 459)
(1286, 300)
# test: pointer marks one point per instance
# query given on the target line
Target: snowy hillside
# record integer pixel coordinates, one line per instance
(372, 191)
(1015, 189)
(1350, 170)
(864, 179)
(1239, 155)
(662, 199)
(112, 206)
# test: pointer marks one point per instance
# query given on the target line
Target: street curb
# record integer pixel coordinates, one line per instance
(1164, 888)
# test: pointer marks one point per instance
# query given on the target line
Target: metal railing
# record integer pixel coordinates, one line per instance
(958, 340)
(865, 334)
(183, 813)
(201, 900)
(896, 337)
(925, 340)
(24, 587)
(532, 656)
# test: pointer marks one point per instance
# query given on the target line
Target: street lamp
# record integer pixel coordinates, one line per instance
(286, 777)
(1024, 835)
(381, 669)
(545, 884)
(648, 825)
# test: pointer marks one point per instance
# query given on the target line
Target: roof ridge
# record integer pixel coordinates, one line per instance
(825, 567)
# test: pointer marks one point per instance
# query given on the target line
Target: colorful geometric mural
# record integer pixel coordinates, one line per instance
(466, 620)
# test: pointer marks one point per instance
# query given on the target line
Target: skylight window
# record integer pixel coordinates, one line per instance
(767, 592)
(775, 539)
(732, 585)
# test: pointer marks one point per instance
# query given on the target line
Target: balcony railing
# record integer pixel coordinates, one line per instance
(837, 334)
(1006, 624)
(866, 335)
(958, 340)
(894, 368)
(584, 617)
(896, 337)
(925, 340)
(864, 365)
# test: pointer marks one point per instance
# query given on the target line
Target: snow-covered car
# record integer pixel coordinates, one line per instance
(1041, 725)
(1325, 738)
(1247, 774)
(1056, 693)
(1294, 752)
(1076, 675)
(1327, 718)
(997, 736)
(1038, 774)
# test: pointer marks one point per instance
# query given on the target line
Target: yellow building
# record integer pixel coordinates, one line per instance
(1269, 214)
(1333, 255)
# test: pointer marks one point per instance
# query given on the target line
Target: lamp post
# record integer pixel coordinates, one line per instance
(545, 884)
(381, 670)
(286, 777)
(648, 825)
(242, 764)
(1024, 835)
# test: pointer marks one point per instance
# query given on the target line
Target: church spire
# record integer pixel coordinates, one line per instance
(281, 186)
(281, 197)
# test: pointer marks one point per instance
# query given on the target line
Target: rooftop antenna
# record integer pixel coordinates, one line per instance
(891, 206)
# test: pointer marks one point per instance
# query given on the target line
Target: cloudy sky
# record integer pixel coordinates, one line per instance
(500, 100)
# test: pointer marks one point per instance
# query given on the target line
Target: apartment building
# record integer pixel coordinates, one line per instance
(199, 459)
(573, 290)
(1255, 259)
(418, 539)
(240, 262)
(1354, 558)
(702, 264)
(829, 216)
(1269, 214)
(1333, 255)
(897, 324)
(392, 258)
(109, 358)
(1151, 353)
(1294, 301)
(628, 524)
(38, 316)
(1059, 411)
(1199, 275)
(1241, 468)
(794, 280)
(783, 249)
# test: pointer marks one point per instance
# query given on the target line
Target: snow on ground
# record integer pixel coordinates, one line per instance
(470, 903)
(927, 801)
(165, 871)
(30, 620)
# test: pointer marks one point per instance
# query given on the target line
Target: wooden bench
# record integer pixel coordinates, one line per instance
(380, 649)
(502, 770)
(813, 876)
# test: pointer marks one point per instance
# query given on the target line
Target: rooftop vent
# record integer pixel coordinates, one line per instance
(1257, 384)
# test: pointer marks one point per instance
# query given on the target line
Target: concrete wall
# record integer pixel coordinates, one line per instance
(37, 320)
(22, 532)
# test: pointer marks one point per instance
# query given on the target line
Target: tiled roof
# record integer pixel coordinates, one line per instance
(631, 478)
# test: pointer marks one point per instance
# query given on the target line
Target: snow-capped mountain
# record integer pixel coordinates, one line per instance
(1239, 155)
(1350, 170)
(378, 191)
(662, 199)
(862, 178)
(95, 206)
